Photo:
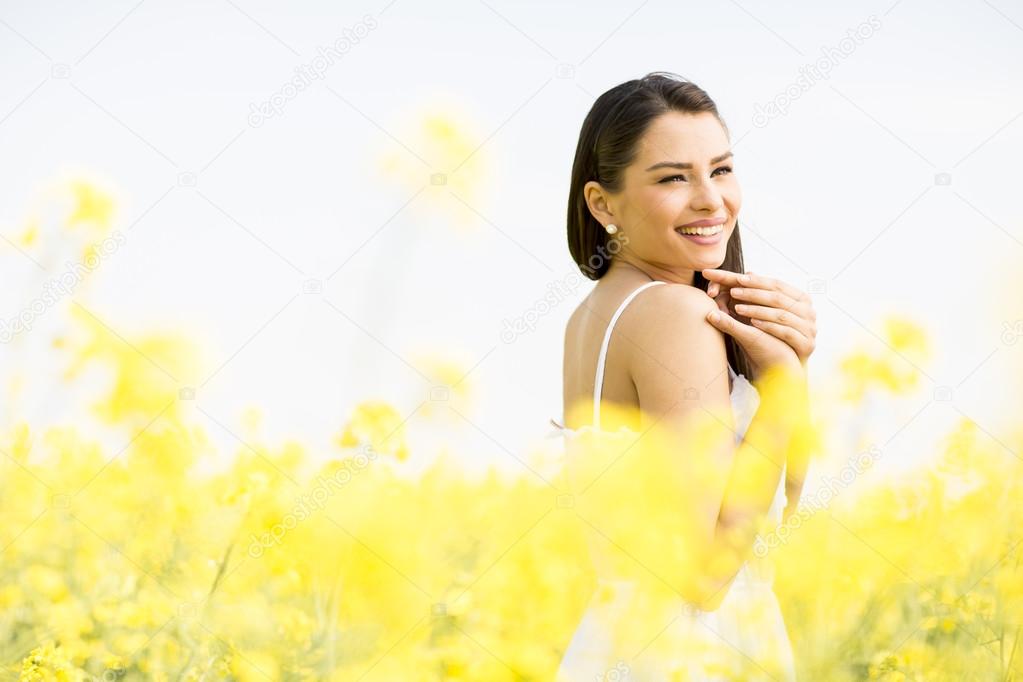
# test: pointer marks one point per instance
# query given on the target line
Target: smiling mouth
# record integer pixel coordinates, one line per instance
(701, 231)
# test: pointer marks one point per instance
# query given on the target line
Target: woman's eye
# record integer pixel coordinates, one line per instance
(672, 177)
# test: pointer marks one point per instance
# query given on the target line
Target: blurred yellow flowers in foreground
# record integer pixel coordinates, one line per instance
(282, 565)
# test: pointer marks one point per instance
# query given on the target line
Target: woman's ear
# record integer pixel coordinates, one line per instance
(597, 201)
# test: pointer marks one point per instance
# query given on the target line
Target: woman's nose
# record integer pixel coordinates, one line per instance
(706, 196)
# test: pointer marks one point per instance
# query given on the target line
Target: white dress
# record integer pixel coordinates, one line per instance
(744, 638)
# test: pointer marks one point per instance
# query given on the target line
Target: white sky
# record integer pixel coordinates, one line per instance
(840, 188)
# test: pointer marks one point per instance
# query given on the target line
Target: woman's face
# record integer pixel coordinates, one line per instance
(682, 174)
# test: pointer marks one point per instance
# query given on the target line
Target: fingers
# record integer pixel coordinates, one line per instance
(728, 324)
(765, 290)
(723, 277)
(763, 282)
(775, 299)
(736, 279)
(798, 314)
(720, 275)
(792, 318)
(796, 339)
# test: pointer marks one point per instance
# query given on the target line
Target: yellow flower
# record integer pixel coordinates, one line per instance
(47, 581)
(10, 595)
(149, 373)
(21, 444)
(93, 206)
(377, 424)
(452, 164)
(31, 233)
(906, 337)
(251, 666)
(451, 385)
(49, 663)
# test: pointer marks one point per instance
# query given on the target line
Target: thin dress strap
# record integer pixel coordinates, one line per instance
(598, 381)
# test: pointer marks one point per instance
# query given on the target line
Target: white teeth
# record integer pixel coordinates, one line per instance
(707, 231)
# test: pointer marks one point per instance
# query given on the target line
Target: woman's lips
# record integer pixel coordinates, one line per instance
(705, 222)
(705, 240)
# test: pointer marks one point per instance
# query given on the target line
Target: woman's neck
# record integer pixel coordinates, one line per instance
(623, 265)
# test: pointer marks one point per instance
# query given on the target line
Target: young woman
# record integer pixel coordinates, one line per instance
(653, 217)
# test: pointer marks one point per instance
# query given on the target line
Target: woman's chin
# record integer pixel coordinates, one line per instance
(711, 258)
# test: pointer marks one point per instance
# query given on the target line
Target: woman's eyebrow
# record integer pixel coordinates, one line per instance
(683, 166)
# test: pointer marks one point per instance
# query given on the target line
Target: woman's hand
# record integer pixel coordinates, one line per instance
(764, 350)
(769, 304)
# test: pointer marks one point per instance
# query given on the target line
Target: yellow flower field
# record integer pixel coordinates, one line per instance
(289, 564)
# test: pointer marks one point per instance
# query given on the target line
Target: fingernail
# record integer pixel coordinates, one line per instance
(714, 316)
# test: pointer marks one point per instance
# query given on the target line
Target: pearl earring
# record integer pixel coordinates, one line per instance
(611, 228)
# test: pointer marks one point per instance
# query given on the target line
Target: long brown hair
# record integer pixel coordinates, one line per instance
(607, 144)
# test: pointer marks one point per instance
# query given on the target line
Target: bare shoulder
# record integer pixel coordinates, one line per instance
(668, 309)
(675, 347)
(573, 322)
(680, 297)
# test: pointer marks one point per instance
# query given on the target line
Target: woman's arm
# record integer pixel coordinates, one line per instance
(728, 487)
(770, 439)
(785, 311)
